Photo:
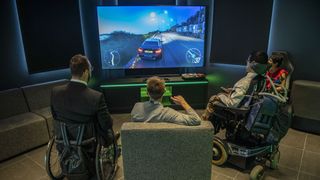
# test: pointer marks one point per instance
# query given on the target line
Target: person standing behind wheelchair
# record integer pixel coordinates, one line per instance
(277, 74)
(232, 97)
(75, 103)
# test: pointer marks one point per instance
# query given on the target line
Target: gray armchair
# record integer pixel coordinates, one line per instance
(20, 130)
(305, 105)
(166, 151)
(38, 100)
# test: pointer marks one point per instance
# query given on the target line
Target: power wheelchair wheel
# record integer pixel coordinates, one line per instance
(52, 161)
(220, 154)
(106, 161)
(257, 173)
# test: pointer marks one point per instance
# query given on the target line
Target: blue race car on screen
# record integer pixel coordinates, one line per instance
(150, 49)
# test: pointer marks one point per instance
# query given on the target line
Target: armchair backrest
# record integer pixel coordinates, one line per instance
(12, 102)
(38, 95)
(166, 151)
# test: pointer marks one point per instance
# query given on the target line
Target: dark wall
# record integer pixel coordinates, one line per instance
(13, 67)
(296, 28)
(51, 33)
(223, 75)
(239, 28)
(91, 36)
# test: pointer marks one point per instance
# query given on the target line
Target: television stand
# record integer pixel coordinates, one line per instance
(122, 94)
(166, 78)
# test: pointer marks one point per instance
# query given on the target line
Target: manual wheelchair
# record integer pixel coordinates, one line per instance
(103, 157)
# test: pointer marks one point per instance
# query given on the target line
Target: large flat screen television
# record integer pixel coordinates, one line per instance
(136, 37)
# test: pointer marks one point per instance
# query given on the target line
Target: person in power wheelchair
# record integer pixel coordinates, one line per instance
(83, 145)
(257, 63)
(252, 126)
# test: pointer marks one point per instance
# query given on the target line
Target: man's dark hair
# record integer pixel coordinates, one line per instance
(277, 58)
(78, 64)
(259, 57)
(155, 87)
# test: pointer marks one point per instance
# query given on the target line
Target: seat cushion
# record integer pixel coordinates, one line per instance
(12, 102)
(46, 113)
(20, 133)
(305, 105)
(306, 99)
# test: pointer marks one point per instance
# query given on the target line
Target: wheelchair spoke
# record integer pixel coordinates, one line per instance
(106, 162)
(52, 161)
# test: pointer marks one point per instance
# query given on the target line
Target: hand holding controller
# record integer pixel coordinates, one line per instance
(180, 101)
(226, 90)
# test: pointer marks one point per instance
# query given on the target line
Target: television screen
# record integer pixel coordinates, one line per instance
(133, 37)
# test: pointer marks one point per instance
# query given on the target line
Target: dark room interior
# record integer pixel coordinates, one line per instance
(202, 45)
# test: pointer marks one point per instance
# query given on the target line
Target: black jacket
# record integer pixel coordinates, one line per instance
(75, 103)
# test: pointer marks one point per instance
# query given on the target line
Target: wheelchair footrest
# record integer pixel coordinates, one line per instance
(242, 162)
(236, 150)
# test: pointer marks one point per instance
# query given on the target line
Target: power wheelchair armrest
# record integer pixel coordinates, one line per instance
(233, 110)
(223, 116)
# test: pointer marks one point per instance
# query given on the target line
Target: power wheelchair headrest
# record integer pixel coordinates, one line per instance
(257, 67)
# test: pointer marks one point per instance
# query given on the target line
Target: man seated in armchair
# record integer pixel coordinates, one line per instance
(153, 110)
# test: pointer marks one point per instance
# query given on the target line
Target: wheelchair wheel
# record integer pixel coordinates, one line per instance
(274, 160)
(257, 173)
(106, 158)
(220, 154)
(52, 161)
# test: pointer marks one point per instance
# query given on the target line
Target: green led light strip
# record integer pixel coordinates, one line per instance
(144, 84)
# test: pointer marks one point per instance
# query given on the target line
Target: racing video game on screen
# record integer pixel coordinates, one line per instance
(151, 36)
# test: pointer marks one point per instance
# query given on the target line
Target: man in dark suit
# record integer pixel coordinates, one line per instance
(75, 103)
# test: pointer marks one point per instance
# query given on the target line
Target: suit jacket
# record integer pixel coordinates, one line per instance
(74, 104)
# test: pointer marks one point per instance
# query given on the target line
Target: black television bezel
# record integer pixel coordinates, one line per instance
(140, 72)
